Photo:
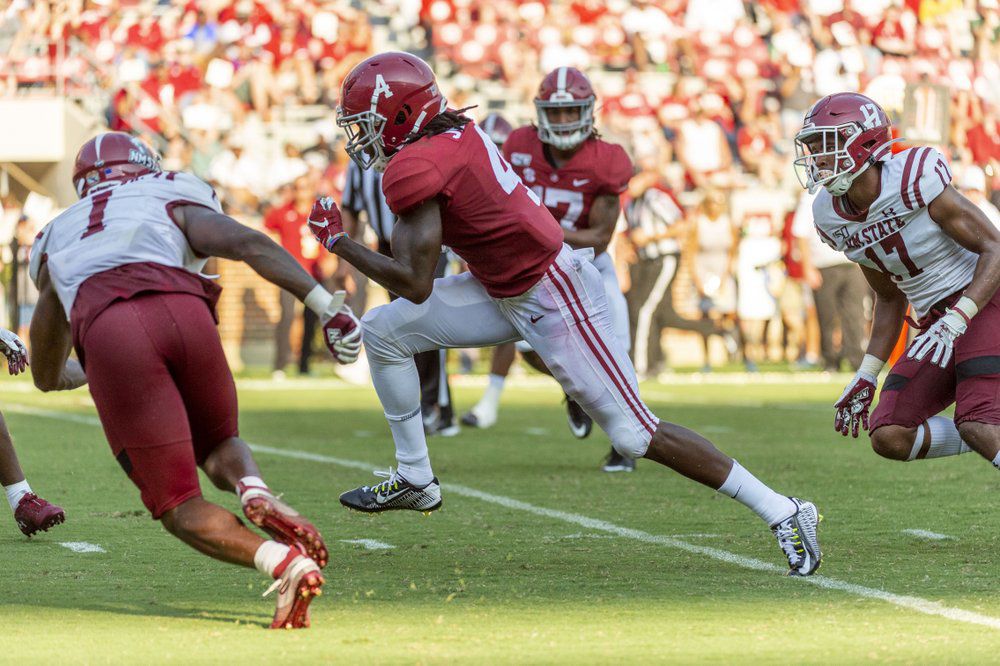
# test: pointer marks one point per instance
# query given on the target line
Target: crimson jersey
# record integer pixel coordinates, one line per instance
(597, 167)
(488, 217)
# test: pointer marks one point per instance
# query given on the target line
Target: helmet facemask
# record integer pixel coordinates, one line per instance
(364, 138)
(568, 135)
(832, 142)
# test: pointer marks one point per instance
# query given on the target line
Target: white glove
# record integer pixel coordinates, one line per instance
(940, 337)
(15, 351)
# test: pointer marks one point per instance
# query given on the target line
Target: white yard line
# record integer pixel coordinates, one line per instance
(918, 604)
(369, 544)
(930, 536)
(82, 547)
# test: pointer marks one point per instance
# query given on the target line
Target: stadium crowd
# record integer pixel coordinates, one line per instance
(705, 95)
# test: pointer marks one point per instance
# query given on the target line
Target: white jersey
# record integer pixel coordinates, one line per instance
(898, 236)
(126, 223)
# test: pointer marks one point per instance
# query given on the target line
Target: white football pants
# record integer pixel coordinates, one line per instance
(565, 318)
(617, 306)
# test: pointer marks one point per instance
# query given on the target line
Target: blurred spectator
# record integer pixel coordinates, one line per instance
(715, 240)
(759, 215)
(289, 220)
(839, 289)
(972, 183)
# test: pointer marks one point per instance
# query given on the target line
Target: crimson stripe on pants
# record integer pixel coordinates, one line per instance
(649, 415)
(645, 418)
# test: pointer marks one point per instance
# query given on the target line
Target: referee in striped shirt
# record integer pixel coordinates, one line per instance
(363, 198)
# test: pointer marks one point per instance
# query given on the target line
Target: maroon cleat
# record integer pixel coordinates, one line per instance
(283, 523)
(33, 514)
(298, 581)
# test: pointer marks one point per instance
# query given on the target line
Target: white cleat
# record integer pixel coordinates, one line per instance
(481, 416)
(797, 537)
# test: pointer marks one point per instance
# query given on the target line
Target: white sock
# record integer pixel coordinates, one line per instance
(269, 556)
(254, 481)
(996, 461)
(493, 392)
(944, 439)
(744, 487)
(412, 461)
(15, 492)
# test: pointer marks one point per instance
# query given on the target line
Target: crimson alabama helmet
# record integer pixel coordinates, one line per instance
(384, 102)
(497, 128)
(842, 135)
(112, 157)
(565, 87)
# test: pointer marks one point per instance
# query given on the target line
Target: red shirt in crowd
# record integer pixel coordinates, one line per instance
(291, 227)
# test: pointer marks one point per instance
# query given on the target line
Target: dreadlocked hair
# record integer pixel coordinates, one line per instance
(444, 121)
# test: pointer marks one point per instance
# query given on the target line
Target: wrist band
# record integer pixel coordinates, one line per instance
(871, 365)
(318, 300)
(967, 308)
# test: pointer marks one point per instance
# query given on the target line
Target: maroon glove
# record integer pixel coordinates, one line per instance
(342, 333)
(12, 347)
(325, 222)
(852, 408)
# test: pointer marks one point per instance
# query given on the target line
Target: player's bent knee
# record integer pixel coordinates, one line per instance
(627, 442)
(376, 336)
(893, 442)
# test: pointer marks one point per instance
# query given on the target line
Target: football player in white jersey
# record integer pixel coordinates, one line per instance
(118, 280)
(917, 240)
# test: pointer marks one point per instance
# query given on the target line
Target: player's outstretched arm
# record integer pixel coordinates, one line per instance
(602, 219)
(416, 246)
(51, 342)
(213, 234)
(964, 222)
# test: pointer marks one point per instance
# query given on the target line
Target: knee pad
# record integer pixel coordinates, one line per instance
(628, 442)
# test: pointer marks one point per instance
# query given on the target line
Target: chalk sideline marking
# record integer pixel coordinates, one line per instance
(82, 547)
(369, 544)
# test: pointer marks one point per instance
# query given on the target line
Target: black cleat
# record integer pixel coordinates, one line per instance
(616, 462)
(395, 493)
(580, 424)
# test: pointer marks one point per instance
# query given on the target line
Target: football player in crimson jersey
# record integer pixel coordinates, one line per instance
(31, 512)
(919, 241)
(118, 275)
(579, 178)
(449, 185)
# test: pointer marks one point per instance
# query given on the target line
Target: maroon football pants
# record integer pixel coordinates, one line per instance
(916, 390)
(163, 390)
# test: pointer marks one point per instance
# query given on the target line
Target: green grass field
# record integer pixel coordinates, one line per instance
(536, 555)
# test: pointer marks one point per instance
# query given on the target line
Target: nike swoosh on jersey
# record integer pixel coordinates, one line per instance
(578, 182)
(535, 319)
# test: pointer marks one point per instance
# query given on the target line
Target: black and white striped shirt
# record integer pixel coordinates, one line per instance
(654, 212)
(363, 192)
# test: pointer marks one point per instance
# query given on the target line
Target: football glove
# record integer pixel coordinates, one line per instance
(856, 400)
(325, 222)
(15, 351)
(939, 339)
(342, 333)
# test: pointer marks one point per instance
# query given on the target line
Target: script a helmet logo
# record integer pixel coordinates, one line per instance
(381, 88)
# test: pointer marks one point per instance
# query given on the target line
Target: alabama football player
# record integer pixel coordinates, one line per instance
(918, 241)
(31, 512)
(449, 185)
(118, 276)
(579, 178)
